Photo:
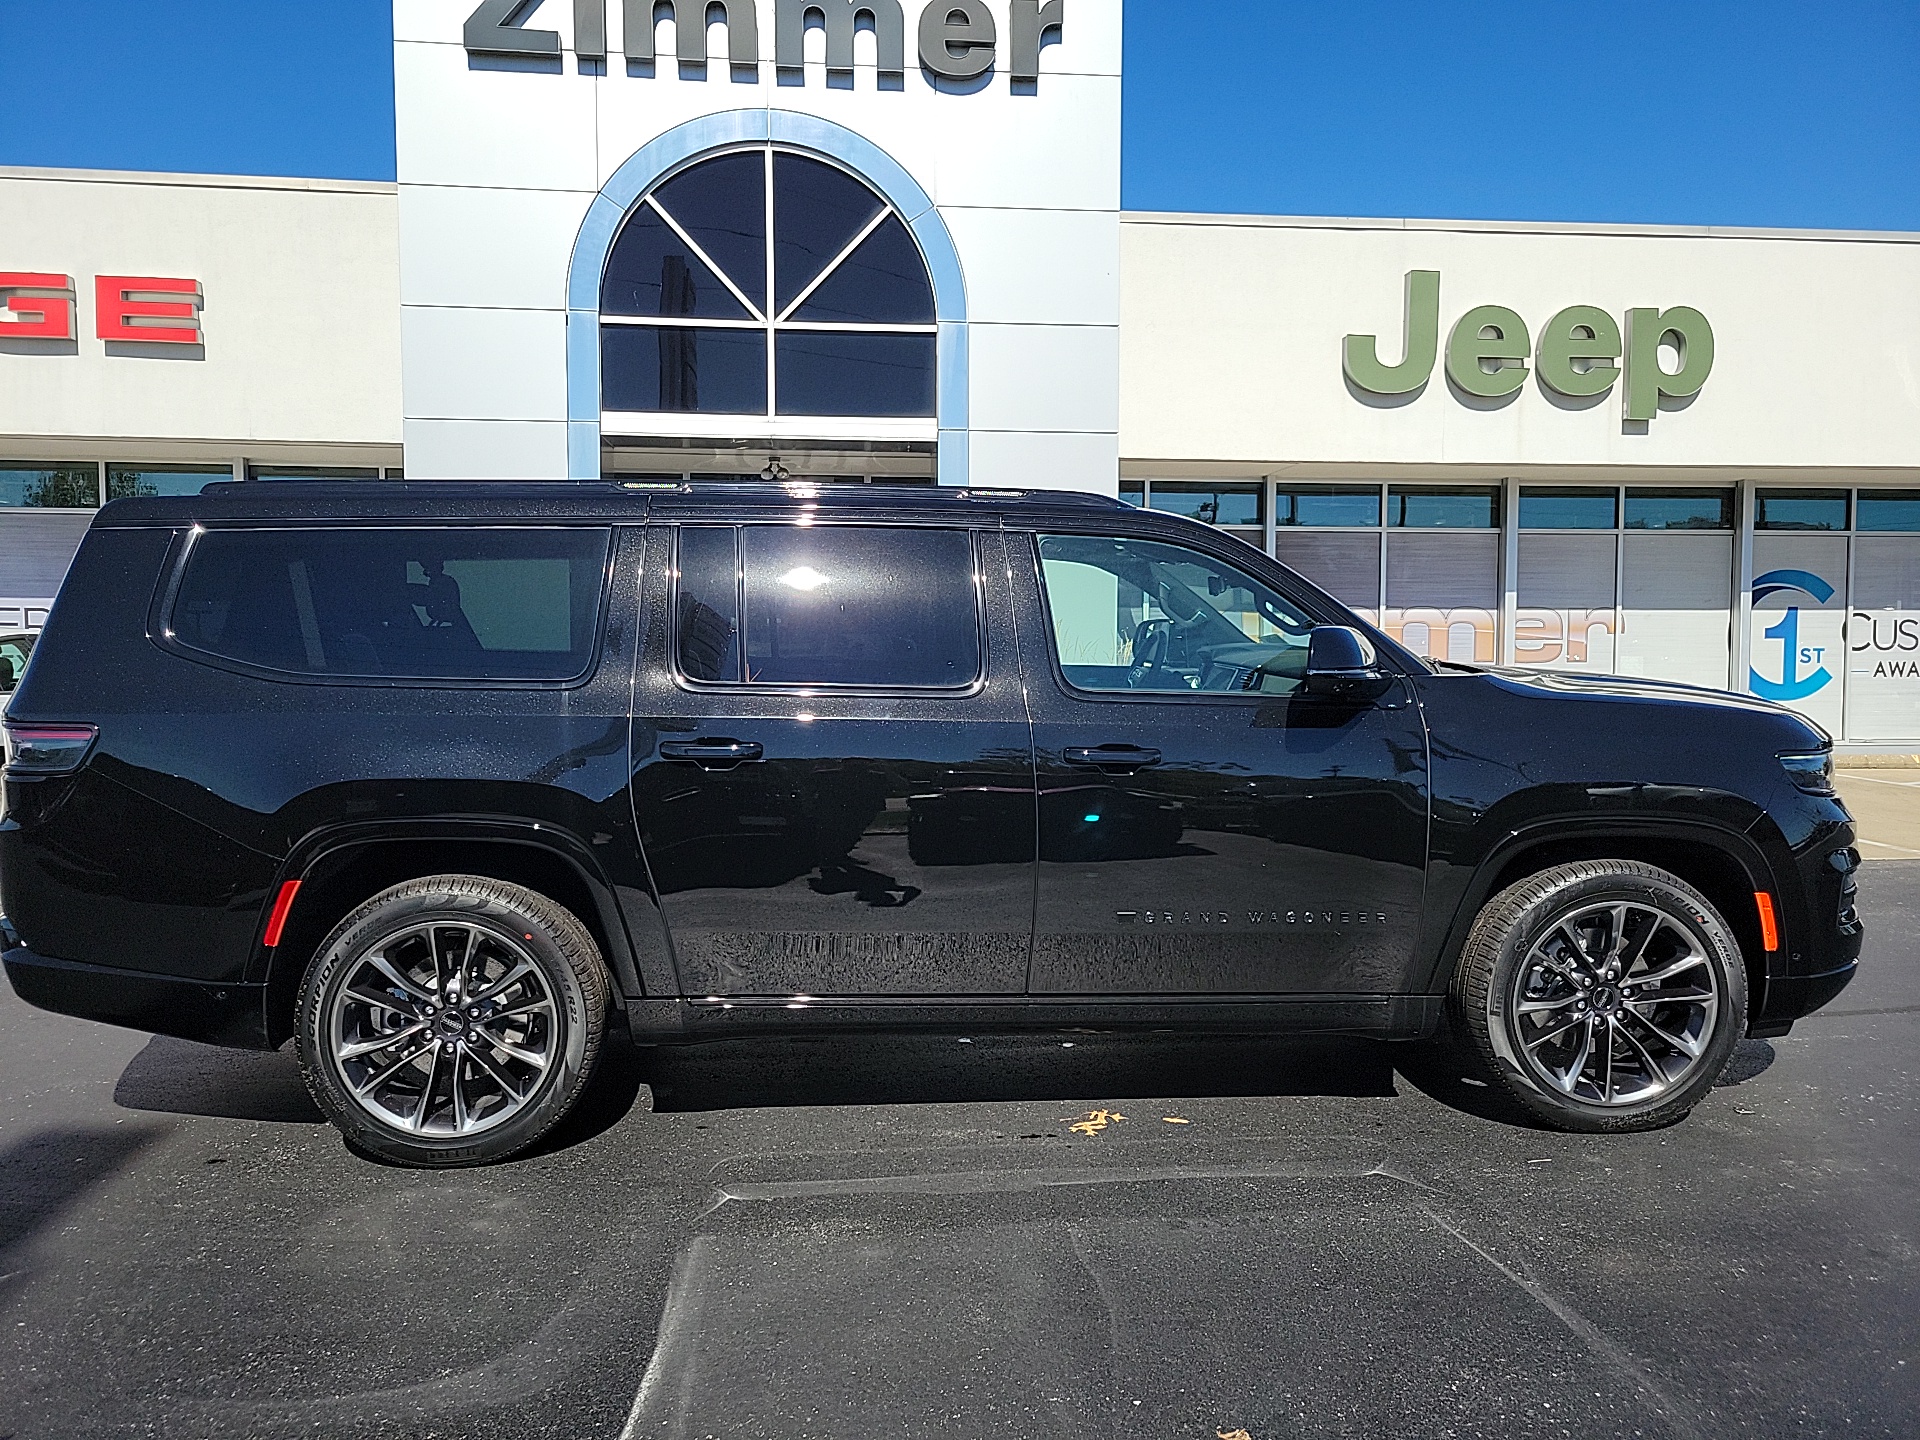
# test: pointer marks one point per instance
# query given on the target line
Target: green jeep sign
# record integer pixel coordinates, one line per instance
(1582, 352)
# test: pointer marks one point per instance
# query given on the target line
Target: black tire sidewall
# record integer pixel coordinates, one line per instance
(526, 926)
(1491, 1023)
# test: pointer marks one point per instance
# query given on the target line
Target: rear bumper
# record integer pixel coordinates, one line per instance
(215, 1014)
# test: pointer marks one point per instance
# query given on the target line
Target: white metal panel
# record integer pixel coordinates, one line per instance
(1046, 377)
(481, 121)
(1029, 460)
(488, 449)
(489, 248)
(1040, 267)
(484, 365)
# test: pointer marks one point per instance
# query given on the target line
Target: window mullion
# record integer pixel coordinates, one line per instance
(845, 255)
(773, 302)
(704, 258)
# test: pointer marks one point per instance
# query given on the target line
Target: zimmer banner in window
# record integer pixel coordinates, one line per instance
(1566, 618)
(1797, 646)
(1443, 594)
(1677, 606)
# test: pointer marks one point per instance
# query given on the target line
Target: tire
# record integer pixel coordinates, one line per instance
(1533, 983)
(466, 1084)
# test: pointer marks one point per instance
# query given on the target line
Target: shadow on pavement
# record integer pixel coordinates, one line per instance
(1750, 1059)
(608, 1101)
(1443, 1073)
(45, 1175)
(178, 1077)
(935, 1069)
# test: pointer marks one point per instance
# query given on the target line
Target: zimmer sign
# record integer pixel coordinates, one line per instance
(1581, 353)
(957, 39)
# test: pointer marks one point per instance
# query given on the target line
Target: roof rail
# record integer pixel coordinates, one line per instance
(809, 489)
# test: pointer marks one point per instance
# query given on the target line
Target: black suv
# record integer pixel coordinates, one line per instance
(440, 781)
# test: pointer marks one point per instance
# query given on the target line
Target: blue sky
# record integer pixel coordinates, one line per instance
(1762, 112)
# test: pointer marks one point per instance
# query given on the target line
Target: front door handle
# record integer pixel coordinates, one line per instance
(1112, 759)
(712, 754)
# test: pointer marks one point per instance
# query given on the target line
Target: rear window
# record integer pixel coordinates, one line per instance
(421, 604)
(870, 607)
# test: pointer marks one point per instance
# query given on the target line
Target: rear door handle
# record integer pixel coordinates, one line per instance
(1112, 759)
(712, 754)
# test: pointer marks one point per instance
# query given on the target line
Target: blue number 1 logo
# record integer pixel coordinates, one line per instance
(1792, 684)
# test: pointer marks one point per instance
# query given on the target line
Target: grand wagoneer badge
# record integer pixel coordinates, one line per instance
(1253, 917)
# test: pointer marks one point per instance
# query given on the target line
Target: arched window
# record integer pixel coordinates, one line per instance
(766, 283)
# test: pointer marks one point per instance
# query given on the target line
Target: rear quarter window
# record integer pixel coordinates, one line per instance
(412, 604)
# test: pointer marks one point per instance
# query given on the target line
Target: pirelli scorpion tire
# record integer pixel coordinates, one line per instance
(452, 1020)
(1604, 995)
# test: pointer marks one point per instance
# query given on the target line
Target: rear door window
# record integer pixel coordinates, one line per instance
(872, 607)
(419, 604)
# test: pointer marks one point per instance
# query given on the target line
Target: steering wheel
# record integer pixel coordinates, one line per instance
(1152, 643)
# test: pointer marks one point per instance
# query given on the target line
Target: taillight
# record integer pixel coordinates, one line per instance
(47, 749)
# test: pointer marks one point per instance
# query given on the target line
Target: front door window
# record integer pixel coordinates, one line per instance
(1144, 616)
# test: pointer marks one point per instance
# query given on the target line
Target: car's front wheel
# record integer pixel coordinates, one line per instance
(1604, 995)
(452, 1020)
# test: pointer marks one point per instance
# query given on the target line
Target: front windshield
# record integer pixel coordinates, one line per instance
(1143, 615)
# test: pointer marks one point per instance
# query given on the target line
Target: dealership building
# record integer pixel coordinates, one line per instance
(876, 239)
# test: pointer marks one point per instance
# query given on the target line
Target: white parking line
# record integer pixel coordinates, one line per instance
(1876, 780)
(1900, 850)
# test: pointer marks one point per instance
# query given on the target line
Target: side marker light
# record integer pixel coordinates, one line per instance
(282, 907)
(1769, 925)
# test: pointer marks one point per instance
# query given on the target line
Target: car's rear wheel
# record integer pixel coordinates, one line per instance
(1604, 995)
(452, 1020)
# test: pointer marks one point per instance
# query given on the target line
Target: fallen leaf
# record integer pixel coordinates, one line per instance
(1233, 1435)
(1096, 1121)
(1175, 1120)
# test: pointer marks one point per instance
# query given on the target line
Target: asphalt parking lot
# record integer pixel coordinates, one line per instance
(1064, 1235)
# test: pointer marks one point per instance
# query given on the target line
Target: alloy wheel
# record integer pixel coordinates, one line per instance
(1615, 1005)
(444, 1029)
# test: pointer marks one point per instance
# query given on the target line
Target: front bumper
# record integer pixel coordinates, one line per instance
(214, 1014)
(1823, 932)
(1791, 996)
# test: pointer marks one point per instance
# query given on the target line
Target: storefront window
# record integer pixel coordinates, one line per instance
(50, 487)
(1556, 508)
(1452, 507)
(1801, 510)
(1888, 510)
(1662, 509)
(130, 482)
(1134, 492)
(1333, 505)
(688, 325)
(1227, 505)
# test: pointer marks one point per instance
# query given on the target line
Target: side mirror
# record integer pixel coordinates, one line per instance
(1341, 663)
